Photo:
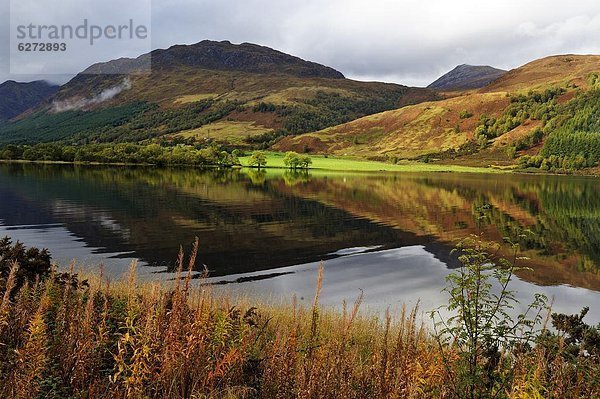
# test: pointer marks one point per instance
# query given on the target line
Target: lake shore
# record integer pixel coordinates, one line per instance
(324, 163)
(126, 339)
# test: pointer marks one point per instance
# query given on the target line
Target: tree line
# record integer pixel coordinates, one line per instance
(155, 154)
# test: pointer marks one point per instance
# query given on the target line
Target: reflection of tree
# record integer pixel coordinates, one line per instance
(257, 176)
(553, 217)
(296, 176)
(573, 218)
(242, 226)
(562, 212)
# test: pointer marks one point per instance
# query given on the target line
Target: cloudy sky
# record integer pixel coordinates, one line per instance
(405, 41)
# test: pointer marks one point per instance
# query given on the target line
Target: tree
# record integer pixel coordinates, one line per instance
(464, 114)
(305, 161)
(258, 159)
(511, 152)
(291, 160)
(294, 160)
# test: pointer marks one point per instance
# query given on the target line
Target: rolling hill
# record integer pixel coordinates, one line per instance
(465, 77)
(513, 115)
(242, 95)
(18, 97)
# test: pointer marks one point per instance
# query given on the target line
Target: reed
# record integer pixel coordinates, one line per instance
(128, 339)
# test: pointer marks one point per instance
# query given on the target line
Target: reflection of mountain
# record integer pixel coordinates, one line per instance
(563, 214)
(151, 212)
(248, 223)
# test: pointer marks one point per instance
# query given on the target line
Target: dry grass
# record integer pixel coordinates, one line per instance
(229, 131)
(191, 98)
(559, 70)
(177, 340)
(406, 132)
(434, 126)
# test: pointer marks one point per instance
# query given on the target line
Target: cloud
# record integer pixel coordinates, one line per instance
(80, 103)
(405, 41)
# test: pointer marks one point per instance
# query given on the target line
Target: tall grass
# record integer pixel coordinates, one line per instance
(61, 338)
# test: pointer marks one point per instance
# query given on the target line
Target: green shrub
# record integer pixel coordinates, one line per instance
(464, 114)
(32, 264)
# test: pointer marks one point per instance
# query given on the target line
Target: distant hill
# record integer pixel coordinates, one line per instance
(223, 56)
(239, 94)
(548, 107)
(18, 97)
(466, 77)
(559, 70)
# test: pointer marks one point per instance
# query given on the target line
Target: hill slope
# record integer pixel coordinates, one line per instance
(223, 56)
(513, 115)
(465, 77)
(18, 97)
(236, 94)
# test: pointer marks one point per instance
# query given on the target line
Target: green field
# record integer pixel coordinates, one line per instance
(319, 162)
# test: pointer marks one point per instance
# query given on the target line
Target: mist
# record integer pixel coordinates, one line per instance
(81, 103)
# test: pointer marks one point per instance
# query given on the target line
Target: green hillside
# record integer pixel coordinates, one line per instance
(192, 87)
(543, 115)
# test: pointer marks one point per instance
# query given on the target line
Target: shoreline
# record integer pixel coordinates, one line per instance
(370, 167)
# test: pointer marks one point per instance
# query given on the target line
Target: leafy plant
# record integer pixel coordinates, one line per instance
(480, 333)
(31, 264)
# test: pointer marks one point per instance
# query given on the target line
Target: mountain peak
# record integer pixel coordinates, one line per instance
(17, 97)
(223, 56)
(465, 77)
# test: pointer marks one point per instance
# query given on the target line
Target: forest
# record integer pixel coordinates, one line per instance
(155, 154)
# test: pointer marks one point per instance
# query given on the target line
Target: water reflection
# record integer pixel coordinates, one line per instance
(391, 278)
(248, 221)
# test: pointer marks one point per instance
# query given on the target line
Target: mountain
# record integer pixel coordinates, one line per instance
(466, 77)
(223, 56)
(17, 97)
(244, 95)
(548, 107)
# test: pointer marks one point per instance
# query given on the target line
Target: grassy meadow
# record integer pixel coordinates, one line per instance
(320, 162)
(64, 337)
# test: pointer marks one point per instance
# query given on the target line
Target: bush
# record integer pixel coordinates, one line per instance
(133, 339)
(464, 114)
(481, 330)
(32, 264)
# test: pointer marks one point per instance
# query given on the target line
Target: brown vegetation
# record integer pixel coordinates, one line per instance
(131, 340)
(435, 127)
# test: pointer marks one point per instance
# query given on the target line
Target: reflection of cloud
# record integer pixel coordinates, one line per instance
(80, 212)
(389, 279)
(106, 94)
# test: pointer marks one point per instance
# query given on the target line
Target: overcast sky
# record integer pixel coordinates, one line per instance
(405, 41)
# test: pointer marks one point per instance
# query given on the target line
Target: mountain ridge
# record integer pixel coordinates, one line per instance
(18, 97)
(512, 116)
(466, 77)
(220, 55)
(246, 89)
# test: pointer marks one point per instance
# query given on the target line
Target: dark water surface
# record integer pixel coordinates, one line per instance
(388, 234)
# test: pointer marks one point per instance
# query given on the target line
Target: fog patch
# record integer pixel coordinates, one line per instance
(81, 103)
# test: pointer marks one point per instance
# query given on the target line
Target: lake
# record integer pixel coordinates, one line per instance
(265, 233)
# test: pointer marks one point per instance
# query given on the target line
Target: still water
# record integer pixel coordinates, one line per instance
(389, 235)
